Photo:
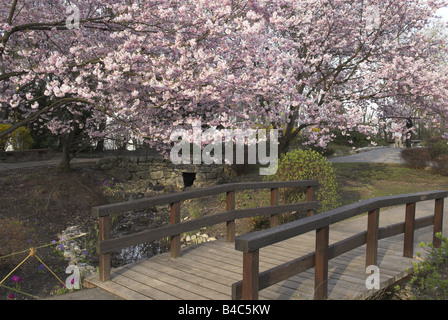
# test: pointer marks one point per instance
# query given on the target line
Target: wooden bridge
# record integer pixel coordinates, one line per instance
(296, 260)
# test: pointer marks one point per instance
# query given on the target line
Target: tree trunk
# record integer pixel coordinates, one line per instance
(64, 165)
(100, 144)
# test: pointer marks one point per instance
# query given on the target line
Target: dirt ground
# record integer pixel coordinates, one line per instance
(36, 204)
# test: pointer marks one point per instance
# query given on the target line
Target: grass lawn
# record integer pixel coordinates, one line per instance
(359, 181)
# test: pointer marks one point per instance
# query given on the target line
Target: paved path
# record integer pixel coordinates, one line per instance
(383, 155)
(380, 155)
(7, 166)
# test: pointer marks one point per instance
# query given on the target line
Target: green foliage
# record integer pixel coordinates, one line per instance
(5, 140)
(352, 138)
(308, 165)
(435, 153)
(430, 280)
(21, 139)
(436, 146)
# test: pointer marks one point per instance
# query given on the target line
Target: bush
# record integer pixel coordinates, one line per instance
(358, 139)
(5, 140)
(437, 146)
(21, 139)
(430, 280)
(440, 165)
(416, 158)
(308, 165)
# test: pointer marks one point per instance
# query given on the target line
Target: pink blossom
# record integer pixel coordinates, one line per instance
(6, 27)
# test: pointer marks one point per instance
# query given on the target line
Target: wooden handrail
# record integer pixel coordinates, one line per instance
(250, 244)
(106, 245)
(111, 245)
(144, 203)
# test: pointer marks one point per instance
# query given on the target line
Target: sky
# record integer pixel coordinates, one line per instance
(444, 13)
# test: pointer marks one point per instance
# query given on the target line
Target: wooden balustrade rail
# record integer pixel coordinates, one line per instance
(106, 245)
(250, 244)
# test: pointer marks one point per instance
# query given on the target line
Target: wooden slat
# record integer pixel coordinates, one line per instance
(272, 271)
(153, 289)
(344, 282)
(175, 239)
(321, 264)
(179, 228)
(251, 265)
(408, 246)
(104, 258)
(146, 203)
(275, 195)
(260, 239)
(296, 266)
(373, 221)
(230, 224)
(438, 220)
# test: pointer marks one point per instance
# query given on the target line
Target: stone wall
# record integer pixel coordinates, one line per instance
(163, 173)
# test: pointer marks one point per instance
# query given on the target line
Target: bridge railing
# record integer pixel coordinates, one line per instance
(251, 243)
(106, 245)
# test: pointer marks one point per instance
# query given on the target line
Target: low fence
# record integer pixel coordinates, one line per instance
(106, 245)
(250, 244)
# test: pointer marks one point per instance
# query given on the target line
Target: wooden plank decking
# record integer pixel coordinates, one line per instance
(207, 271)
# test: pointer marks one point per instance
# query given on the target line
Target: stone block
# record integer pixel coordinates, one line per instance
(156, 175)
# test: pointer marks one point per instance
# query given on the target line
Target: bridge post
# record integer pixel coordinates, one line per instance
(309, 198)
(321, 263)
(230, 205)
(175, 240)
(250, 275)
(373, 220)
(274, 202)
(408, 249)
(438, 221)
(104, 258)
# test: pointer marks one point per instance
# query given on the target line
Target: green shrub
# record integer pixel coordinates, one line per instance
(416, 158)
(308, 165)
(21, 139)
(430, 280)
(5, 140)
(351, 138)
(436, 146)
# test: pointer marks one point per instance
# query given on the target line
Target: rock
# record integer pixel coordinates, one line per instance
(76, 249)
(68, 255)
(156, 175)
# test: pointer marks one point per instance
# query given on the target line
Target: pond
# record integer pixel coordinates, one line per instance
(133, 222)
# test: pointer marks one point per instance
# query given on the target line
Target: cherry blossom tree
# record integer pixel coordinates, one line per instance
(154, 66)
(357, 56)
